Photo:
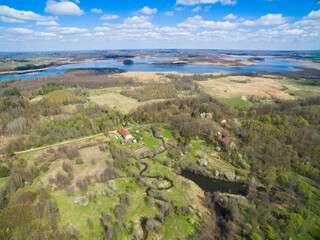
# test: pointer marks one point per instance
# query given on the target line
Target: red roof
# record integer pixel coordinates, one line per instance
(123, 132)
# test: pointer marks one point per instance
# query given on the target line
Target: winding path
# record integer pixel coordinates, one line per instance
(143, 220)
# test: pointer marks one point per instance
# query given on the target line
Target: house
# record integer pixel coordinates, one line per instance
(124, 132)
(206, 115)
(134, 140)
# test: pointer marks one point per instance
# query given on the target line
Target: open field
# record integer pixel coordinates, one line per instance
(114, 99)
(235, 86)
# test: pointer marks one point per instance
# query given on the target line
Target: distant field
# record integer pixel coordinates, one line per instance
(114, 99)
(237, 88)
(303, 89)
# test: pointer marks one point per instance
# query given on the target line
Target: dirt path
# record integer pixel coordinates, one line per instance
(61, 143)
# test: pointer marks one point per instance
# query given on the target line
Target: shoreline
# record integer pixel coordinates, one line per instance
(18, 72)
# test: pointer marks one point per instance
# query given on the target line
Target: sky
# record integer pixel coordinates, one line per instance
(58, 25)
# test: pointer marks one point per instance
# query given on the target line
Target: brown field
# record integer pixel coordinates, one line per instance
(144, 77)
(233, 86)
(112, 98)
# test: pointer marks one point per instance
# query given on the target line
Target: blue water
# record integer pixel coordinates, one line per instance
(143, 65)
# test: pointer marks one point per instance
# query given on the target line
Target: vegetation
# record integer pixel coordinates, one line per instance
(96, 187)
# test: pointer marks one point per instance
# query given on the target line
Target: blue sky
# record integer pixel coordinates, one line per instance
(52, 25)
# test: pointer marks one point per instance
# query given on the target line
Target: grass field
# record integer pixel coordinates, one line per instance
(236, 101)
(234, 87)
(304, 88)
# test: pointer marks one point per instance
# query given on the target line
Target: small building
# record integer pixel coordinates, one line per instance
(134, 140)
(206, 115)
(124, 132)
(115, 136)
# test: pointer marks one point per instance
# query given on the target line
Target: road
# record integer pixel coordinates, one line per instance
(61, 143)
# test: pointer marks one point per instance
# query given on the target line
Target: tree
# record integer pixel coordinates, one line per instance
(4, 171)
(255, 236)
(12, 92)
(17, 126)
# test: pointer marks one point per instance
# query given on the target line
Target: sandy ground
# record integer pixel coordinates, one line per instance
(233, 86)
(145, 77)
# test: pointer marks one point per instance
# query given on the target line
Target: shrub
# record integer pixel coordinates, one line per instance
(66, 166)
(4, 171)
(120, 211)
(69, 190)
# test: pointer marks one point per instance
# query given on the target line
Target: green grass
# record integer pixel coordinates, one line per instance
(236, 102)
(177, 226)
(307, 89)
(165, 132)
(151, 141)
(3, 180)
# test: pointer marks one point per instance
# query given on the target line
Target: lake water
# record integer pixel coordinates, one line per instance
(213, 185)
(143, 65)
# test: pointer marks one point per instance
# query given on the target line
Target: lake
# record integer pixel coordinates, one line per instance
(143, 65)
(208, 184)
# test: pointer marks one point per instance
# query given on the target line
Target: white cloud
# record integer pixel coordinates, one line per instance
(10, 20)
(267, 20)
(196, 9)
(63, 8)
(101, 29)
(313, 14)
(137, 22)
(45, 34)
(96, 10)
(77, 1)
(23, 31)
(179, 9)
(230, 17)
(48, 23)
(169, 13)
(6, 11)
(195, 2)
(198, 22)
(67, 30)
(109, 17)
(99, 34)
(148, 11)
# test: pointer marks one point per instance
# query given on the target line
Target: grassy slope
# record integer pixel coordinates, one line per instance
(307, 89)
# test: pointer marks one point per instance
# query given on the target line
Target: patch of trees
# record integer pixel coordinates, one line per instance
(12, 92)
(83, 78)
(50, 87)
(91, 120)
(157, 91)
(31, 66)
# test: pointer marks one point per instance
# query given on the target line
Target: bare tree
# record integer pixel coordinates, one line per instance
(17, 126)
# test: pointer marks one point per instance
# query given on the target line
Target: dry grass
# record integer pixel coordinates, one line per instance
(92, 154)
(63, 96)
(144, 77)
(233, 86)
(114, 99)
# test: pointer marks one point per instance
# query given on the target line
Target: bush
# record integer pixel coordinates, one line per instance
(120, 211)
(69, 190)
(4, 171)
(66, 166)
